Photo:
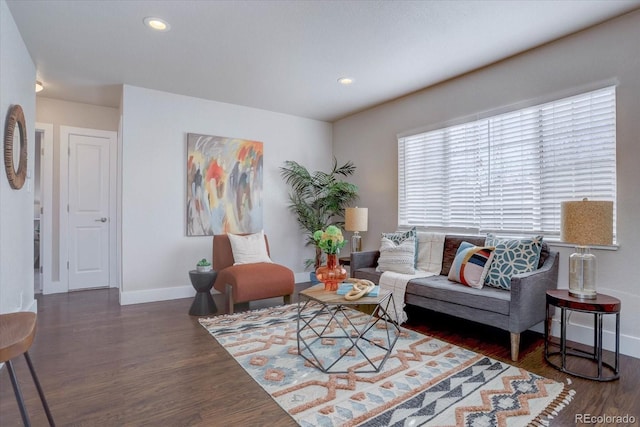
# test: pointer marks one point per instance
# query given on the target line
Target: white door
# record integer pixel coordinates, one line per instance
(89, 211)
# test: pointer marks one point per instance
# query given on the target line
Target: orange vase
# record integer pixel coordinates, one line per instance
(332, 273)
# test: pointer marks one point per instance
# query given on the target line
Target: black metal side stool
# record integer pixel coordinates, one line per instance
(17, 331)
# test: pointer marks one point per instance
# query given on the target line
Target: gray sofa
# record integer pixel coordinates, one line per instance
(515, 311)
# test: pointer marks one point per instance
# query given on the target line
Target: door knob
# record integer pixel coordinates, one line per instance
(103, 219)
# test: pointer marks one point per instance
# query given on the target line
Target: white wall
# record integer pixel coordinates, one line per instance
(156, 254)
(17, 79)
(606, 53)
(75, 114)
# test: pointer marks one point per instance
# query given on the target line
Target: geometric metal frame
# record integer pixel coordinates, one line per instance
(594, 355)
(340, 313)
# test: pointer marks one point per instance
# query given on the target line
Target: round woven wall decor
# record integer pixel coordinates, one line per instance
(15, 175)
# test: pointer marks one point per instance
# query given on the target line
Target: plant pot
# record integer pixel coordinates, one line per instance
(203, 268)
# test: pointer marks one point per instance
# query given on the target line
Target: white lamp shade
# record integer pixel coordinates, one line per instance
(356, 219)
(587, 223)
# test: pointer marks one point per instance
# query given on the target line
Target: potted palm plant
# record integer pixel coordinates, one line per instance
(318, 199)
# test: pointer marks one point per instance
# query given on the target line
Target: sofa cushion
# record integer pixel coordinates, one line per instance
(451, 245)
(441, 288)
(511, 257)
(400, 236)
(430, 249)
(397, 257)
(368, 273)
(544, 254)
(471, 264)
(256, 281)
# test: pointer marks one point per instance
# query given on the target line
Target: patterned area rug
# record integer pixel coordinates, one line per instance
(425, 381)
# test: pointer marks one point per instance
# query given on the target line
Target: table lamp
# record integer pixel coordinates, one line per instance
(356, 221)
(585, 223)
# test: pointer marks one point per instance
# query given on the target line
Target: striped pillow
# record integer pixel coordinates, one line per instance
(399, 258)
(471, 264)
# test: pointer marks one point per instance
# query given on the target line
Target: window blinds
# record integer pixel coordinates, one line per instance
(509, 172)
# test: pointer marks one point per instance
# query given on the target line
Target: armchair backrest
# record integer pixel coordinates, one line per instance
(222, 256)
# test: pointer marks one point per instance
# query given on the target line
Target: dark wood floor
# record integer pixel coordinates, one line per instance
(101, 364)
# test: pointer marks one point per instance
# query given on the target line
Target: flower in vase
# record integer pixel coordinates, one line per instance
(329, 240)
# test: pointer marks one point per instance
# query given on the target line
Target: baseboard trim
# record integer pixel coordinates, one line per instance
(33, 307)
(629, 345)
(54, 288)
(301, 277)
(178, 292)
(153, 295)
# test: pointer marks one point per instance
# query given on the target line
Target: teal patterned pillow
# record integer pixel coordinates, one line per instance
(511, 257)
(400, 236)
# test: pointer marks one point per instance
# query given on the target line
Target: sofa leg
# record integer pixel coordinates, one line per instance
(515, 346)
(287, 299)
(228, 295)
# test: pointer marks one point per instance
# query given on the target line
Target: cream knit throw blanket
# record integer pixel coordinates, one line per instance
(430, 249)
(397, 284)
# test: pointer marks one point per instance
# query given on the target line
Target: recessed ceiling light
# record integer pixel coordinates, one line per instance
(345, 81)
(39, 86)
(157, 24)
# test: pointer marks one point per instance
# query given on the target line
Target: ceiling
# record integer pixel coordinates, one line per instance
(284, 56)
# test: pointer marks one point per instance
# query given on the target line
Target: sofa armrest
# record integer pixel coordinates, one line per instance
(529, 293)
(363, 260)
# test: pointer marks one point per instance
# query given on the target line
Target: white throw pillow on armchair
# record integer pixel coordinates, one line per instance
(249, 249)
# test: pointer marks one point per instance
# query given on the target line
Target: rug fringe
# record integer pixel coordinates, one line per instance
(552, 410)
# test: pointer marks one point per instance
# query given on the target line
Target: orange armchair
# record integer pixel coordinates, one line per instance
(248, 282)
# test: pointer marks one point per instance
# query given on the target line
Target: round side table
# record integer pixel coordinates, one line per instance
(202, 282)
(601, 305)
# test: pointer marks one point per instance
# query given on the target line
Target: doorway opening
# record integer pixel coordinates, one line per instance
(66, 257)
(37, 201)
(43, 208)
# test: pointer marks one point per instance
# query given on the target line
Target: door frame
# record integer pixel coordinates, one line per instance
(65, 131)
(46, 205)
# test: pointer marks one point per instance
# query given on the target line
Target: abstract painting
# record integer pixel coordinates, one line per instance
(224, 185)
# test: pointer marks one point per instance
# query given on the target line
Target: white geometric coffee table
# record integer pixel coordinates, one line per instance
(336, 338)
